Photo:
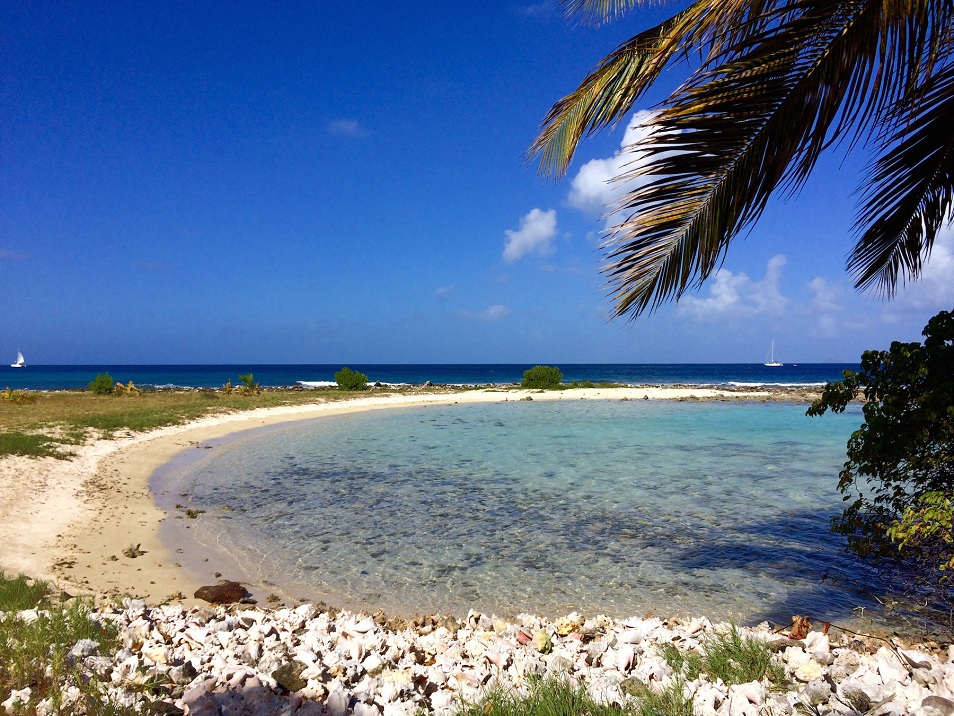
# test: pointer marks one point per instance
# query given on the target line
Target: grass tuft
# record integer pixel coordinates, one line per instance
(20, 593)
(31, 445)
(34, 650)
(544, 697)
(686, 663)
(738, 659)
(671, 701)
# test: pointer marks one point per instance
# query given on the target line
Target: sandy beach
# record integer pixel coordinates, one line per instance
(70, 521)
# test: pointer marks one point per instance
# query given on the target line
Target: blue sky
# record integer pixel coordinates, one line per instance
(332, 182)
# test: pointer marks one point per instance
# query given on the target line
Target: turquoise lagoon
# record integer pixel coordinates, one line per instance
(614, 507)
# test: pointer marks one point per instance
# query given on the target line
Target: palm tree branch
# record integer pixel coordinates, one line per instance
(605, 95)
(600, 11)
(910, 192)
(722, 147)
(609, 91)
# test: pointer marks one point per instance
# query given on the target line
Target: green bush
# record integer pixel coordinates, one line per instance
(542, 376)
(899, 474)
(102, 384)
(348, 379)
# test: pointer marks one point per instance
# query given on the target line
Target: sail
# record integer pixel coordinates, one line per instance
(20, 361)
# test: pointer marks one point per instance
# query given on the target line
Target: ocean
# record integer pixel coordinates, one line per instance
(73, 377)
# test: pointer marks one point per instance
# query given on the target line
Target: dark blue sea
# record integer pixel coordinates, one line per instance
(69, 377)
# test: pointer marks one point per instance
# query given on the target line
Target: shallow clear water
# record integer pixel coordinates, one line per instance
(604, 507)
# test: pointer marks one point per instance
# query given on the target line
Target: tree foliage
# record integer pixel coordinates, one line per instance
(348, 379)
(541, 377)
(899, 476)
(102, 384)
(778, 82)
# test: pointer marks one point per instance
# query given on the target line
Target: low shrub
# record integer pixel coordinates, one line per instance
(348, 379)
(102, 384)
(249, 386)
(542, 377)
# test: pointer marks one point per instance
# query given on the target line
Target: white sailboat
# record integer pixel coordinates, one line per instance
(20, 362)
(772, 363)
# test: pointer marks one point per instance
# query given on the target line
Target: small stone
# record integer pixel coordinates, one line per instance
(288, 676)
(816, 692)
(183, 674)
(227, 593)
(937, 706)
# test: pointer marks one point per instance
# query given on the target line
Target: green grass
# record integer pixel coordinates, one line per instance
(545, 697)
(687, 663)
(31, 445)
(35, 653)
(671, 701)
(556, 697)
(58, 418)
(20, 593)
(730, 656)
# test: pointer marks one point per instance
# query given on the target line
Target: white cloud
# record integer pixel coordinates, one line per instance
(593, 190)
(934, 290)
(825, 305)
(540, 10)
(10, 256)
(348, 128)
(444, 291)
(536, 233)
(824, 295)
(737, 295)
(491, 313)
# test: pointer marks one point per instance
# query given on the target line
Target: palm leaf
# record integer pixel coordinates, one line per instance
(605, 96)
(734, 134)
(609, 91)
(780, 82)
(600, 11)
(910, 192)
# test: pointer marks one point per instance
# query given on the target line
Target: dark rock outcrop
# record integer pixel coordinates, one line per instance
(225, 593)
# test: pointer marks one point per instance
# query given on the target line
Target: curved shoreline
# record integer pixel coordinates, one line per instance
(70, 521)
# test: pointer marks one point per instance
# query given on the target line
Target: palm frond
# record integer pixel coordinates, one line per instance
(731, 137)
(605, 96)
(600, 11)
(780, 82)
(910, 192)
(609, 91)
